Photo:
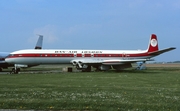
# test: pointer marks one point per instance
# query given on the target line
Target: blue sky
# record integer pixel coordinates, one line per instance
(90, 24)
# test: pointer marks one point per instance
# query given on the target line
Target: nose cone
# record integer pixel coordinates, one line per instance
(8, 60)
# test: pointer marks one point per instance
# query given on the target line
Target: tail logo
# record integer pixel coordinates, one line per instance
(154, 42)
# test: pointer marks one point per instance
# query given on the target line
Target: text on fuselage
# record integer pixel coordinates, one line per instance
(72, 52)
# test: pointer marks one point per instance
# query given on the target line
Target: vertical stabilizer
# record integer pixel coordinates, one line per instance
(153, 44)
(39, 42)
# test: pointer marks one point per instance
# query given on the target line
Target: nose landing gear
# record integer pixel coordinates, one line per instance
(15, 70)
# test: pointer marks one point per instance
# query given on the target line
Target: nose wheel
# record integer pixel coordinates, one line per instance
(15, 70)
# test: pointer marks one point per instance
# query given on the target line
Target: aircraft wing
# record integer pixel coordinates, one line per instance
(161, 51)
(123, 61)
(109, 61)
(1, 62)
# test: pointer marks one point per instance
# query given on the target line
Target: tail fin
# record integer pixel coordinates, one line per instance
(153, 44)
(39, 42)
(153, 47)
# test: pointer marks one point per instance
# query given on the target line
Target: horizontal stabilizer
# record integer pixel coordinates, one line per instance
(155, 53)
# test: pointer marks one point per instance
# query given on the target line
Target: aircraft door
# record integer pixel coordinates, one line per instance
(124, 55)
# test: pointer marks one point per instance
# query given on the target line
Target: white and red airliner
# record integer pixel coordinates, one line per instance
(85, 59)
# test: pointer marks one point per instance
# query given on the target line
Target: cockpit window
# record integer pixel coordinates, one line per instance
(10, 55)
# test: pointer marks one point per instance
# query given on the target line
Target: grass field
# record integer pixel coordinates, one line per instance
(152, 89)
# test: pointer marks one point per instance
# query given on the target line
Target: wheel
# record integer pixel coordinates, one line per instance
(15, 71)
(88, 69)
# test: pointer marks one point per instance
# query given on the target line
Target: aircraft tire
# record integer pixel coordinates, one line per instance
(15, 71)
(88, 69)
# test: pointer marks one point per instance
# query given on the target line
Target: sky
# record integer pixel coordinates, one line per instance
(91, 24)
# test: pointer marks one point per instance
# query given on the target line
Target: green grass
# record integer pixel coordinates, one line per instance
(152, 89)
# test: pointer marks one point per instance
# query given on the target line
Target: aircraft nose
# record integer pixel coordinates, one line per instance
(8, 60)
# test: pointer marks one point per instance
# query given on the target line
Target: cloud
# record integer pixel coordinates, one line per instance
(79, 29)
(49, 33)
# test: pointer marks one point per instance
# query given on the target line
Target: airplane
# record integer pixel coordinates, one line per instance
(3, 55)
(86, 59)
